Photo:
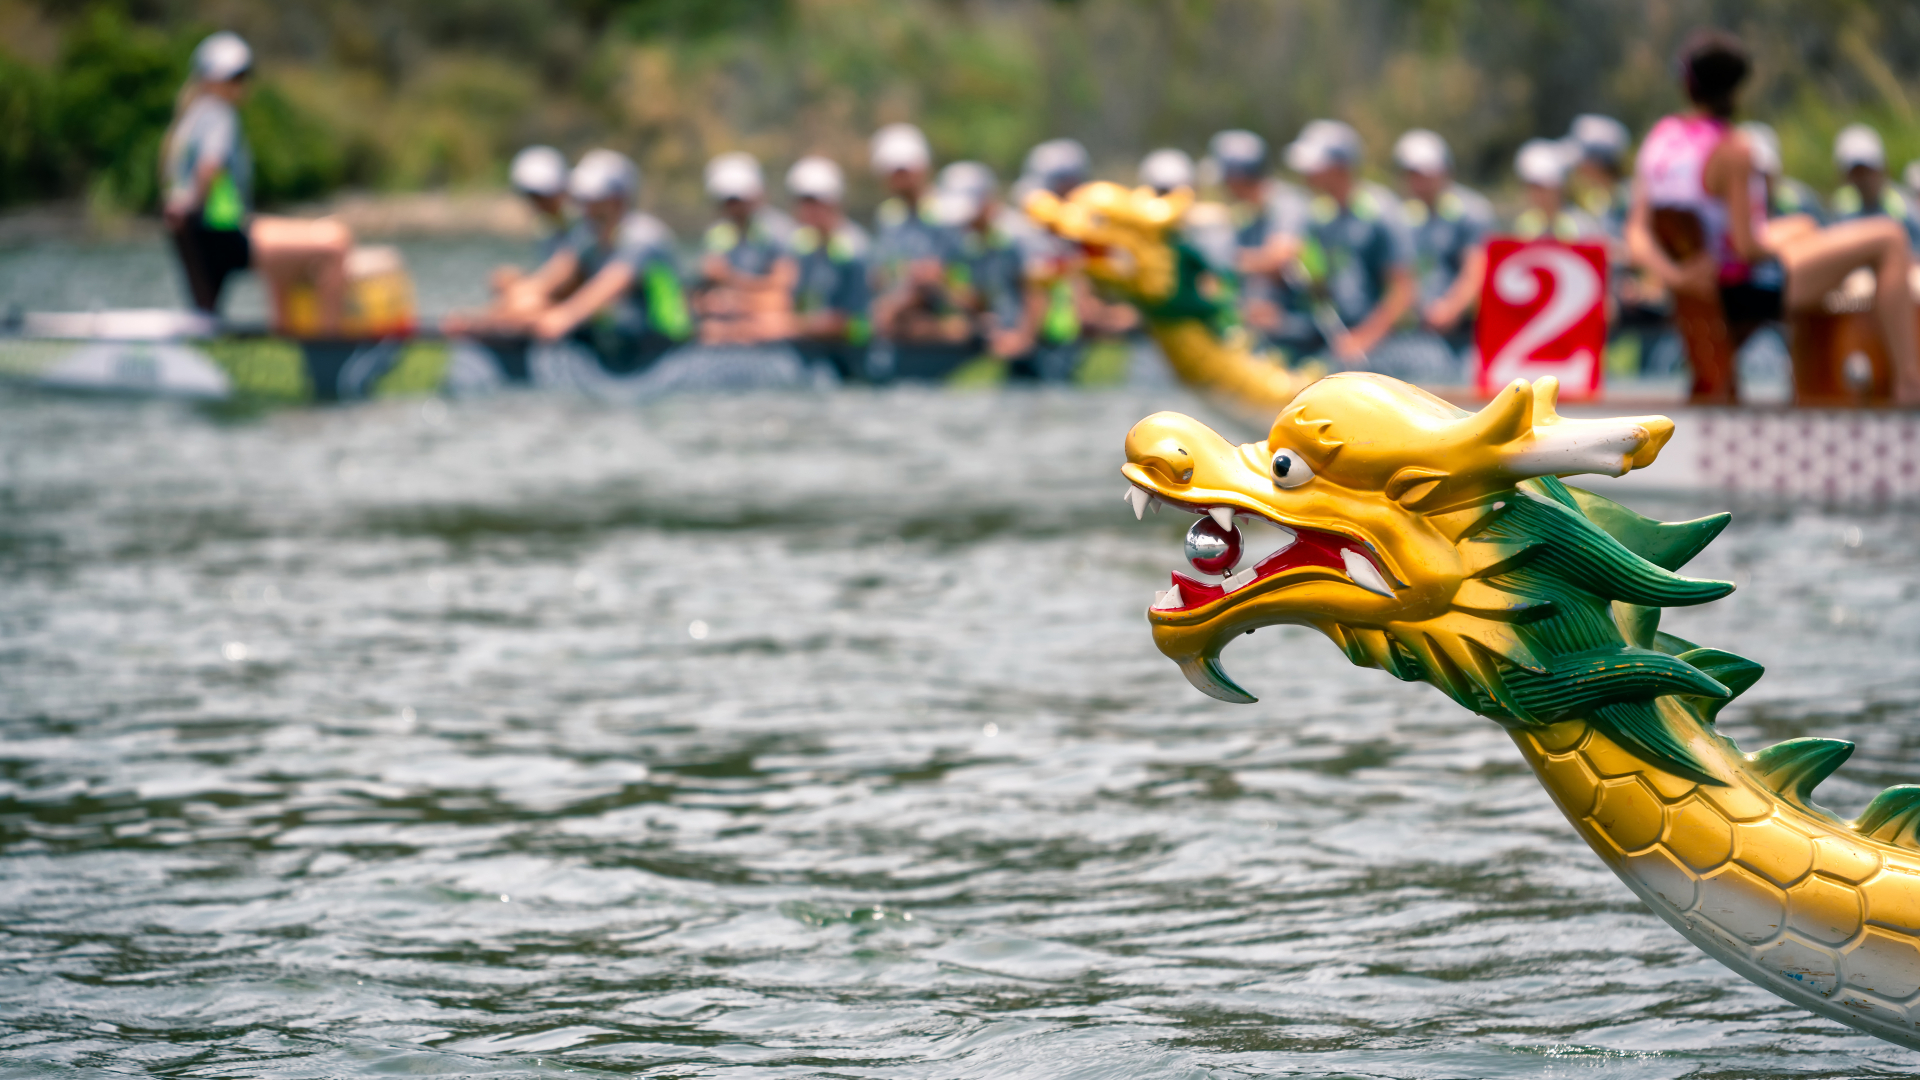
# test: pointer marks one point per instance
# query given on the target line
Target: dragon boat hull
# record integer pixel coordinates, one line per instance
(258, 367)
(1793, 900)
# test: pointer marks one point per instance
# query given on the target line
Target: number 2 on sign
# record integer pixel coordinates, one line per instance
(1563, 335)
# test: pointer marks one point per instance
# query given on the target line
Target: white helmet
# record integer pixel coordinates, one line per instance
(1858, 144)
(900, 146)
(1544, 162)
(1323, 144)
(539, 170)
(1600, 138)
(735, 175)
(1422, 151)
(815, 177)
(1166, 169)
(221, 56)
(1058, 161)
(603, 174)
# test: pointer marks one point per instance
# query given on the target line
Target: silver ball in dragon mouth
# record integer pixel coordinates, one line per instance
(1212, 549)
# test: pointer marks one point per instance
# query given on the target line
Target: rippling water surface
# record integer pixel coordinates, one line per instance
(804, 736)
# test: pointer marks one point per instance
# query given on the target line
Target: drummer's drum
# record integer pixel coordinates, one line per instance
(1839, 355)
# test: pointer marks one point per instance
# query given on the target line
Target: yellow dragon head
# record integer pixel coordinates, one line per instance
(1439, 545)
(1128, 237)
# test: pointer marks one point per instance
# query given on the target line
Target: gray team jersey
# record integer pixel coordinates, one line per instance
(1352, 251)
(210, 131)
(753, 250)
(904, 234)
(832, 273)
(655, 300)
(1458, 221)
(1282, 210)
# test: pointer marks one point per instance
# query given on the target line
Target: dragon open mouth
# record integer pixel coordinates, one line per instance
(1268, 554)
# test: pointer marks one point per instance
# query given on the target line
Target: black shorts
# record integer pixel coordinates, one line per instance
(1749, 304)
(210, 257)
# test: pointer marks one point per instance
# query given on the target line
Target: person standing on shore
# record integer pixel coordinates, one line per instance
(207, 169)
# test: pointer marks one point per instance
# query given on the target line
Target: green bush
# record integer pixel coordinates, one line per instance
(29, 155)
(113, 98)
(295, 155)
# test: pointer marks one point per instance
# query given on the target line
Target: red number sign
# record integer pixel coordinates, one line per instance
(1543, 312)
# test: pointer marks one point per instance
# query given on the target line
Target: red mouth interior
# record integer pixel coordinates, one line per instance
(1310, 547)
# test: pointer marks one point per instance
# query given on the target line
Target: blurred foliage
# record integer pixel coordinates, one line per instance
(406, 94)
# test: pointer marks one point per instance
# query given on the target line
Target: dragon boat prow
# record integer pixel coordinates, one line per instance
(1129, 239)
(1442, 547)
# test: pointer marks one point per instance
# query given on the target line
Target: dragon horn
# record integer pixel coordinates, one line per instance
(1535, 440)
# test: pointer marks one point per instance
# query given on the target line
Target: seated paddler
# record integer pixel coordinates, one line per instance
(613, 285)
(1356, 292)
(744, 292)
(831, 294)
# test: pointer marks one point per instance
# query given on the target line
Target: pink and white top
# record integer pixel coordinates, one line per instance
(1672, 168)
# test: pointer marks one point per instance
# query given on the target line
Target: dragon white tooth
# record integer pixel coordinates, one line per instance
(1169, 600)
(1239, 579)
(1127, 495)
(1364, 573)
(1222, 516)
(1139, 500)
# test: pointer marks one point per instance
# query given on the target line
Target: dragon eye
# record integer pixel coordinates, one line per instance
(1290, 470)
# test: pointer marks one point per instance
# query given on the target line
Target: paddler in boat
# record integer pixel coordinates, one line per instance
(208, 205)
(1786, 195)
(1867, 191)
(831, 291)
(539, 174)
(614, 284)
(912, 311)
(1698, 162)
(1543, 166)
(1450, 223)
(1268, 217)
(1357, 263)
(985, 263)
(744, 295)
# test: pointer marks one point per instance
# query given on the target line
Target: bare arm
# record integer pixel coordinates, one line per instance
(1380, 322)
(599, 291)
(1445, 312)
(1729, 168)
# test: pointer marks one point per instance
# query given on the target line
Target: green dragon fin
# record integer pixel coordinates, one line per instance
(1893, 817)
(1641, 731)
(1591, 559)
(1579, 683)
(1736, 673)
(1795, 767)
(1669, 545)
